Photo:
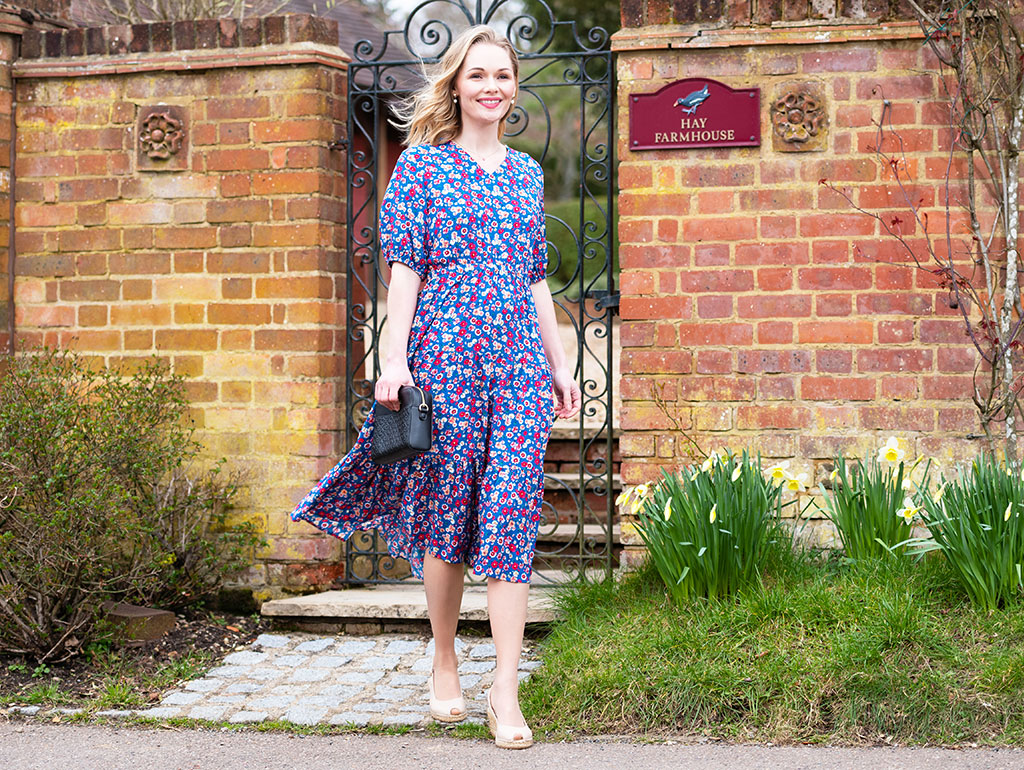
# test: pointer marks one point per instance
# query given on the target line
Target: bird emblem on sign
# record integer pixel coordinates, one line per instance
(692, 101)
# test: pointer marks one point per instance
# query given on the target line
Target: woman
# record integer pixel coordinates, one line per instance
(471, 321)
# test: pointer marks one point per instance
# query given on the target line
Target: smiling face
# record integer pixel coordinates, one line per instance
(485, 85)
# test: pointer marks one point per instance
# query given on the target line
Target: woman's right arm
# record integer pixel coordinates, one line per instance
(403, 294)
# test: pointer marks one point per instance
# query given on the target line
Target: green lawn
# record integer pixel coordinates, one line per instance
(820, 652)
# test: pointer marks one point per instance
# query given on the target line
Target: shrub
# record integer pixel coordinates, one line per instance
(974, 520)
(872, 503)
(708, 529)
(99, 500)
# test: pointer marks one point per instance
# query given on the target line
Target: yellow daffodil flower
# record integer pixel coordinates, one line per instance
(623, 497)
(908, 511)
(714, 513)
(1006, 513)
(891, 452)
(797, 483)
(736, 472)
(833, 475)
(940, 491)
(668, 509)
(779, 472)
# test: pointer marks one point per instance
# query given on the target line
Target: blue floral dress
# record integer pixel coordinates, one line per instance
(477, 240)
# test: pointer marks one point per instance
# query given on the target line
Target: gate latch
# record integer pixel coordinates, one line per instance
(604, 298)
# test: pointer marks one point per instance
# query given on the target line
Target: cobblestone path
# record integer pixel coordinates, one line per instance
(308, 679)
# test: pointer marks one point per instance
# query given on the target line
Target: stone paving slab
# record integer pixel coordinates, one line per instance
(313, 679)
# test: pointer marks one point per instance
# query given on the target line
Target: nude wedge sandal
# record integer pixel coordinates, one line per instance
(507, 736)
(441, 710)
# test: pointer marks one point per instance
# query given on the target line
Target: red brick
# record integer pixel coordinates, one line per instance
(830, 252)
(668, 230)
(837, 388)
(632, 176)
(186, 339)
(289, 339)
(894, 277)
(894, 360)
(714, 362)
(775, 279)
(235, 185)
(715, 202)
(834, 361)
(903, 140)
(895, 331)
(893, 418)
(235, 109)
(292, 131)
(778, 227)
(185, 238)
(703, 175)
(899, 388)
(773, 361)
(762, 416)
(933, 330)
(92, 315)
(92, 239)
(832, 305)
(708, 389)
(291, 182)
(832, 225)
(135, 314)
(959, 420)
(237, 211)
(696, 281)
(839, 332)
(824, 278)
(654, 307)
(880, 304)
(906, 87)
(636, 282)
(768, 199)
(714, 306)
(656, 361)
(776, 388)
(836, 171)
(711, 255)
(775, 333)
(956, 359)
(45, 215)
(771, 253)
(653, 256)
(727, 229)
(948, 387)
(232, 313)
(89, 291)
(716, 334)
(236, 160)
(636, 231)
(651, 204)
(634, 334)
(773, 306)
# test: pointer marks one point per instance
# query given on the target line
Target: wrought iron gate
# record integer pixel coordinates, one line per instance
(564, 117)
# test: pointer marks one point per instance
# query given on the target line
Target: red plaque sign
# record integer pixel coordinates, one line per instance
(696, 112)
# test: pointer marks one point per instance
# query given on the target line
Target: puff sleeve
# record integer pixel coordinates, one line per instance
(538, 237)
(402, 216)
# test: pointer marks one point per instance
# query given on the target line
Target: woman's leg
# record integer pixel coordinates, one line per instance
(443, 585)
(506, 604)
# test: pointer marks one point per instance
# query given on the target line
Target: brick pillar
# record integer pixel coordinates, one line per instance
(225, 259)
(761, 308)
(8, 47)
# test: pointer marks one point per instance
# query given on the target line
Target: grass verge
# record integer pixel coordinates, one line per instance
(817, 652)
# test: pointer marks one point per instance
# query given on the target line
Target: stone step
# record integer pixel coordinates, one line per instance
(562, 480)
(567, 533)
(394, 602)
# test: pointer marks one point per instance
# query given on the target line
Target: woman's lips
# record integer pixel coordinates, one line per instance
(489, 103)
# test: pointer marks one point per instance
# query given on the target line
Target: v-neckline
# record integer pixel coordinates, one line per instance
(459, 148)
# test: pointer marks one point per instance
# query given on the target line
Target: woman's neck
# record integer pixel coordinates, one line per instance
(479, 139)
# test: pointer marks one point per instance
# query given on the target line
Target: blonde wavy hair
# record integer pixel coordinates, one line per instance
(431, 116)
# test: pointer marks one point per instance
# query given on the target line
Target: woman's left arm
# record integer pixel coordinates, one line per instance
(566, 391)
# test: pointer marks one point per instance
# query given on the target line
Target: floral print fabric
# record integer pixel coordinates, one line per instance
(477, 240)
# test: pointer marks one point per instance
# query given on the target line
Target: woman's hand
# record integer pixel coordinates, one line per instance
(395, 375)
(566, 393)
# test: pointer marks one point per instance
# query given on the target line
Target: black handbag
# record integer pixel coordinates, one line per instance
(405, 433)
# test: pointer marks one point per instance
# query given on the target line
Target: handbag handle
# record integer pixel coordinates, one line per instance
(423, 398)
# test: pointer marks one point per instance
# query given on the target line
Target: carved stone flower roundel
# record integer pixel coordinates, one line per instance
(161, 135)
(797, 117)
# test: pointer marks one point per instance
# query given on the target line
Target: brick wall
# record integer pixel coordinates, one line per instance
(8, 48)
(230, 266)
(765, 311)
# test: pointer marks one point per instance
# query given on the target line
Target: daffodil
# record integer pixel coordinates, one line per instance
(940, 491)
(908, 511)
(640, 493)
(668, 509)
(779, 472)
(891, 452)
(707, 464)
(833, 475)
(1006, 513)
(736, 472)
(623, 497)
(907, 485)
(714, 513)
(797, 483)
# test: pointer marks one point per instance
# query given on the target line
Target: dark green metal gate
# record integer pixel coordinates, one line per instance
(564, 117)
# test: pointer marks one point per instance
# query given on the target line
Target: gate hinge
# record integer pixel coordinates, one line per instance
(604, 298)
(340, 144)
